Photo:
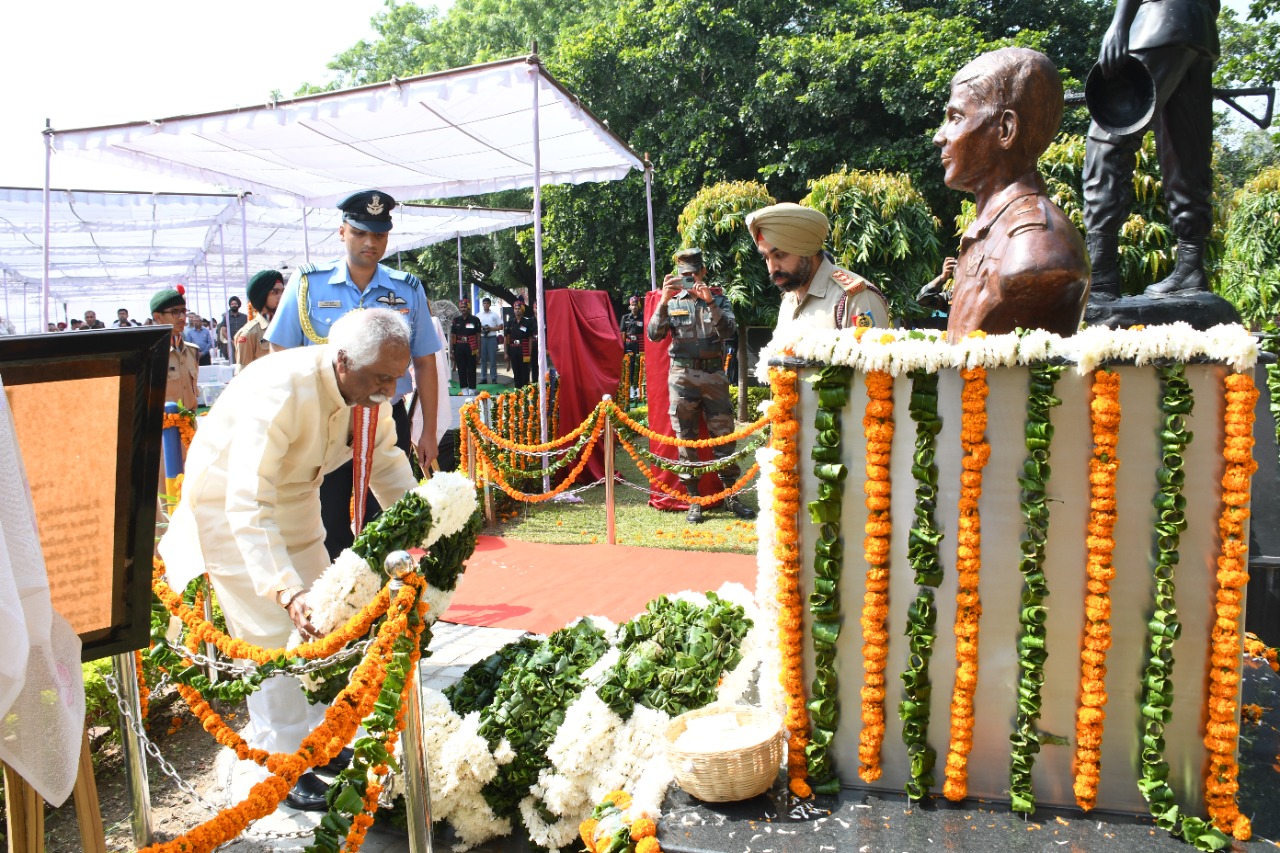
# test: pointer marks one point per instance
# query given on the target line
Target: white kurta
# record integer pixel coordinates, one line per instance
(250, 509)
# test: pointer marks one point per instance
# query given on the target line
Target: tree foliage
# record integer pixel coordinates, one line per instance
(715, 221)
(882, 227)
(1250, 277)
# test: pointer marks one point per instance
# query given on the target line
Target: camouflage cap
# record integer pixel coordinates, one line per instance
(688, 260)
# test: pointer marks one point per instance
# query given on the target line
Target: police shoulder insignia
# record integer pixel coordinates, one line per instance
(308, 269)
(849, 282)
(864, 320)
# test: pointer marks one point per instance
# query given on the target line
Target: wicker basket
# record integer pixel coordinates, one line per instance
(730, 774)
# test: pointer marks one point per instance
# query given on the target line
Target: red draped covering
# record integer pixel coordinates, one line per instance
(585, 347)
(656, 364)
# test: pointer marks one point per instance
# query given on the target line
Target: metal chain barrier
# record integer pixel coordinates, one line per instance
(169, 770)
(239, 671)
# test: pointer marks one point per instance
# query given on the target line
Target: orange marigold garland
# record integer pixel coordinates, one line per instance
(1104, 412)
(973, 429)
(877, 426)
(786, 508)
(1223, 731)
(612, 827)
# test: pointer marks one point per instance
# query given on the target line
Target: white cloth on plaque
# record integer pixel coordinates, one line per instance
(41, 684)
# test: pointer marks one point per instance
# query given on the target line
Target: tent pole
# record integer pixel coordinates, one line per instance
(648, 200)
(48, 159)
(306, 237)
(459, 267)
(222, 248)
(6, 297)
(244, 248)
(537, 272)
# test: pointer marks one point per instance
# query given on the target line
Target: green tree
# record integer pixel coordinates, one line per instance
(881, 227)
(1250, 277)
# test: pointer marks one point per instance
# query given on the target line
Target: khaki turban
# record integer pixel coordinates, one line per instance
(794, 229)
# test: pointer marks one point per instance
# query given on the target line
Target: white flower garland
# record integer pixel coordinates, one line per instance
(772, 697)
(898, 351)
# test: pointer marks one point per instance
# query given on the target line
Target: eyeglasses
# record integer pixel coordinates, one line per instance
(176, 312)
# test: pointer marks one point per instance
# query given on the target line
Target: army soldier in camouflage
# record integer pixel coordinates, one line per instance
(699, 322)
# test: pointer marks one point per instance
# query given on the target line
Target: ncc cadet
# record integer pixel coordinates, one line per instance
(699, 322)
(316, 296)
(264, 292)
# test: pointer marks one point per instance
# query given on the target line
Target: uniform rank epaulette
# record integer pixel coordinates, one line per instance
(849, 282)
(308, 269)
(406, 276)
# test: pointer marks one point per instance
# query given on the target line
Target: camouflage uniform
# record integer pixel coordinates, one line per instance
(696, 382)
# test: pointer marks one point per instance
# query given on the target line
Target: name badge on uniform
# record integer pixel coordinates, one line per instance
(329, 303)
(678, 312)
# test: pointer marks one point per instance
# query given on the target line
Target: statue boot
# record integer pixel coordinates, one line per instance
(1104, 261)
(1188, 274)
(694, 515)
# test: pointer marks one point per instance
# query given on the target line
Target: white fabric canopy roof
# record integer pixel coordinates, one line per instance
(118, 245)
(444, 135)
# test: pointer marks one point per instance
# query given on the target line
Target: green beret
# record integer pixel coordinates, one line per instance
(260, 286)
(166, 299)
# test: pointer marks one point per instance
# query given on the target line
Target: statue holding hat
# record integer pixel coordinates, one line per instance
(1154, 72)
(264, 292)
(1021, 263)
(815, 292)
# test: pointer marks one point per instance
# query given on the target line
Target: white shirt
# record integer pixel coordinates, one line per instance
(491, 318)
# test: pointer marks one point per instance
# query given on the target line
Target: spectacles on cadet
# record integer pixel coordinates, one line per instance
(175, 312)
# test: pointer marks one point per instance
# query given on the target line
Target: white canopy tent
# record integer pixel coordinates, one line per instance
(485, 128)
(116, 246)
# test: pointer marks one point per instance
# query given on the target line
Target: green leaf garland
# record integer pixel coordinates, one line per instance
(1157, 682)
(832, 386)
(923, 556)
(1031, 642)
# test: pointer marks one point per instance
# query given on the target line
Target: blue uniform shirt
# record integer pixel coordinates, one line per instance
(330, 294)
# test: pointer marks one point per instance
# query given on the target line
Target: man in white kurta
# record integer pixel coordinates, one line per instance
(250, 510)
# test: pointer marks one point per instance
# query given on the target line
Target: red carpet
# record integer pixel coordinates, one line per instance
(540, 588)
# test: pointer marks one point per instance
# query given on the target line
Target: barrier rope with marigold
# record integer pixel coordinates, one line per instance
(503, 458)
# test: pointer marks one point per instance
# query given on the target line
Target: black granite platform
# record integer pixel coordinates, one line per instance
(858, 821)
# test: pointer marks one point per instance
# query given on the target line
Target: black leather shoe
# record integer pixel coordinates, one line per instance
(738, 508)
(338, 763)
(308, 794)
(694, 516)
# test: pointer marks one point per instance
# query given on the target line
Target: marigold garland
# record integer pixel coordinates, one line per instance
(973, 428)
(1104, 412)
(701, 500)
(341, 720)
(611, 826)
(877, 427)
(786, 508)
(185, 422)
(637, 427)
(1223, 730)
(495, 474)
(144, 693)
(1258, 649)
(203, 632)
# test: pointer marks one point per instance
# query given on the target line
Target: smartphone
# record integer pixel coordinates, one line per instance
(688, 282)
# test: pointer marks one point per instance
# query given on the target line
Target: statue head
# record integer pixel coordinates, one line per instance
(1005, 109)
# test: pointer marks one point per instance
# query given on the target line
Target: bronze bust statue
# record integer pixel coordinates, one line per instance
(1022, 263)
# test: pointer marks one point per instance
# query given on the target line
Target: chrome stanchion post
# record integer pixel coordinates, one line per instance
(135, 759)
(417, 790)
(489, 516)
(611, 532)
(210, 650)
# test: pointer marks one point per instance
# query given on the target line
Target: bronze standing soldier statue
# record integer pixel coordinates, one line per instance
(1176, 42)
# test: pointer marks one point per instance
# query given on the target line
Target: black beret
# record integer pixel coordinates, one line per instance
(368, 210)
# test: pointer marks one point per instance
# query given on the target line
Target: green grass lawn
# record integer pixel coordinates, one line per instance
(637, 523)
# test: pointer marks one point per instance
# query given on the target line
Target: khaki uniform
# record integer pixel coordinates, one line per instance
(184, 372)
(695, 381)
(836, 299)
(1022, 237)
(251, 343)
